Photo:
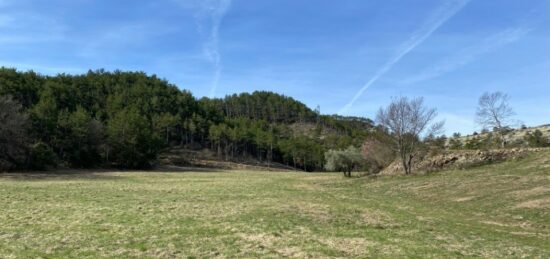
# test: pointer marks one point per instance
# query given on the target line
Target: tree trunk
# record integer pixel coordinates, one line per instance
(409, 164)
(405, 164)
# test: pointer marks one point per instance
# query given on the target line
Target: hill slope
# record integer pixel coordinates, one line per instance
(514, 135)
(495, 211)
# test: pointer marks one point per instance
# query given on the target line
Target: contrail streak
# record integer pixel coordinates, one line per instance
(212, 13)
(448, 10)
(217, 17)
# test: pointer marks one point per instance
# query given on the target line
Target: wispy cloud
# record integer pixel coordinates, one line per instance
(447, 11)
(209, 19)
(20, 27)
(469, 54)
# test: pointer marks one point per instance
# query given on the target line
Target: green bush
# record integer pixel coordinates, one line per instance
(344, 161)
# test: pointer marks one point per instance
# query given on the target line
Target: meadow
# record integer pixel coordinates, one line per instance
(498, 210)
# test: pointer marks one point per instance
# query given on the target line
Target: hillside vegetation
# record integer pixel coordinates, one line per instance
(522, 137)
(496, 211)
(124, 119)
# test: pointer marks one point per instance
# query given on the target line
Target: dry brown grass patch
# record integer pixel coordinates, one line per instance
(377, 219)
(535, 204)
(319, 212)
(308, 187)
(532, 192)
(349, 245)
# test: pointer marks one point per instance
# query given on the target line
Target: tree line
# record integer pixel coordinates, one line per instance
(124, 119)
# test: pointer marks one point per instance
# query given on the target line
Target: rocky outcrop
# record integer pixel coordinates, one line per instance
(459, 159)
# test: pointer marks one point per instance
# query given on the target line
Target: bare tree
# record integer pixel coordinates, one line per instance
(12, 133)
(494, 112)
(409, 122)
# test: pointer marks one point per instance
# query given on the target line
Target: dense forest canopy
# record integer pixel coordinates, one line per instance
(124, 119)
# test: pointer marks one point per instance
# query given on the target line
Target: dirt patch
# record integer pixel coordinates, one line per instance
(532, 192)
(494, 223)
(463, 199)
(535, 204)
(187, 158)
(423, 187)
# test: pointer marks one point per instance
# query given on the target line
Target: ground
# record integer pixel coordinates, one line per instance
(499, 210)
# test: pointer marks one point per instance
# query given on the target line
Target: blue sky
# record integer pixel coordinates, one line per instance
(348, 56)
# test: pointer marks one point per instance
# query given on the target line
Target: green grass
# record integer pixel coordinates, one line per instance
(500, 210)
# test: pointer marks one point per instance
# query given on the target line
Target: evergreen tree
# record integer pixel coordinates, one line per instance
(132, 142)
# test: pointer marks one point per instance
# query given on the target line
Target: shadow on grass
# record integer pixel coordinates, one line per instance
(73, 174)
(187, 169)
(98, 174)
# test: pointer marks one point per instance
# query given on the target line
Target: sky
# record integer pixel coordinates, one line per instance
(350, 57)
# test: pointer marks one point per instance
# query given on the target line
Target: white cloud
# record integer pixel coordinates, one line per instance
(469, 54)
(20, 27)
(448, 10)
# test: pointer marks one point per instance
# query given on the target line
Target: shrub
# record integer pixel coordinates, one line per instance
(536, 139)
(344, 161)
(377, 155)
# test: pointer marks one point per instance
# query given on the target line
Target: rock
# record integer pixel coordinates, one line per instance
(460, 158)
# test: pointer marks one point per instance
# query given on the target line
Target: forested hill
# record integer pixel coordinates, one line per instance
(268, 106)
(124, 119)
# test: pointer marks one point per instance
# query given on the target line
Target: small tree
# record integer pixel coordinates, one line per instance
(494, 112)
(409, 122)
(344, 161)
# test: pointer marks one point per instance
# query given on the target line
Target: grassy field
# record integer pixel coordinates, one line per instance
(500, 210)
